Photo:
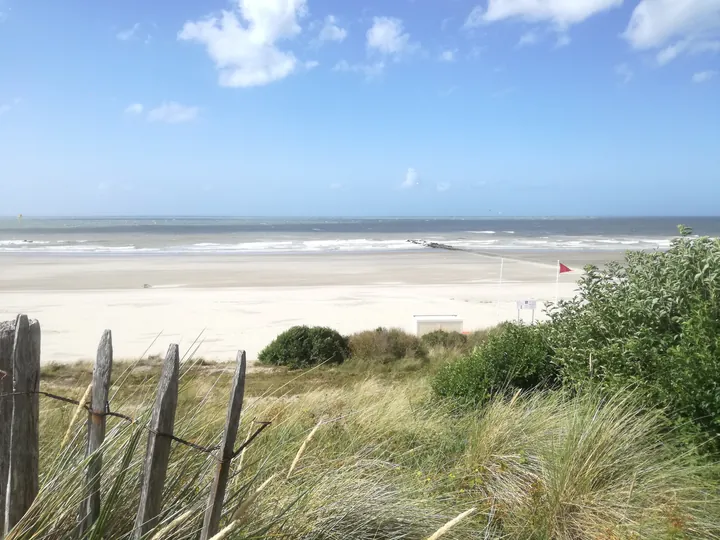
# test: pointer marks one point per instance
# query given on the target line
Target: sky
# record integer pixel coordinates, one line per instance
(362, 108)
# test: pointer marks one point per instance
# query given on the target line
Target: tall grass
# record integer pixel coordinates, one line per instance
(378, 461)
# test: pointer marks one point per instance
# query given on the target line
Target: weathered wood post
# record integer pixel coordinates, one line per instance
(90, 507)
(7, 338)
(158, 446)
(22, 486)
(213, 512)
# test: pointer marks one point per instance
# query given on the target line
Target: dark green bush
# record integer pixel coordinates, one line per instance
(386, 345)
(513, 357)
(303, 346)
(441, 338)
(653, 322)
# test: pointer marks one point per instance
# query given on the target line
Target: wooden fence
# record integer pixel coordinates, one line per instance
(19, 437)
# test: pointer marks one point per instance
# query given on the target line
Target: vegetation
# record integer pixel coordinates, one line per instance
(448, 340)
(515, 357)
(304, 346)
(653, 322)
(573, 429)
(387, 345)
(389, 462)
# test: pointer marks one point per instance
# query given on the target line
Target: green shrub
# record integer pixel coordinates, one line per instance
(448, 340)
(514, 357)
(386, 345)
(303, 346)
(653, 322)
(479, 337)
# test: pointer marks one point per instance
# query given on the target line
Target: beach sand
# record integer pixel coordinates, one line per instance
(243, 301)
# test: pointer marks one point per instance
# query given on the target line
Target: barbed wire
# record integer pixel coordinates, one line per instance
(107, 412)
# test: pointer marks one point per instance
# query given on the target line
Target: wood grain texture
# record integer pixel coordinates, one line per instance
(213, 512)
(7, 338)
(158, 446)
(22, 487)
(90, 509)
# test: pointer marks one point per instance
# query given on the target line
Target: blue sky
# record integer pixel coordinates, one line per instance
(370, 107)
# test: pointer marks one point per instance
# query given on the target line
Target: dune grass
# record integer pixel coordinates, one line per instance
(385, 461)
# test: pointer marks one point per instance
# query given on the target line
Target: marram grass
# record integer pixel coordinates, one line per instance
(388, 462)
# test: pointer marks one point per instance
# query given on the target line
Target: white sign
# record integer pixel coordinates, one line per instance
(526, 304)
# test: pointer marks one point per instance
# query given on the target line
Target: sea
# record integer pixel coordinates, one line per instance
(228, 235)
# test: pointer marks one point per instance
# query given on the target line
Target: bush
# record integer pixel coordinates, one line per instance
(514, 357)
(653, 322)
(303, 346)
(479, 337)
(441, 338)
(386, 345)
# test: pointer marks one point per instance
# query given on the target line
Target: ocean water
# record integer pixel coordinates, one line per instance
(167, 235)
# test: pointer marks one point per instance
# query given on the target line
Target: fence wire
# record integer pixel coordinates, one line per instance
(107, 412)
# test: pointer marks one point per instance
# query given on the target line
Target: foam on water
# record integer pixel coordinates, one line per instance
(361, 245)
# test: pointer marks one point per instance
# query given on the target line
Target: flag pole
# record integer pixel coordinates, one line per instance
(557, 282)
(500, 280)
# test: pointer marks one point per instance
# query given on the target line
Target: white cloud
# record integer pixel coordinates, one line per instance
(311, 64)
(387, 36)
(561, 13)
(529, 38)
(448, 55)
(135, 108)
(335, 186)
(671, 52)
(675, 26)
(331, 31)
(655, 22)
(173, 113)
(128, 34)
(563, 40)
(443, 186)
(243, 43)
(412, 179)
(624, 72)
(475, 18)
(370, 70)
(703, 76)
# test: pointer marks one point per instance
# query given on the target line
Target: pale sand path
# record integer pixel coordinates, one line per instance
(245, 301)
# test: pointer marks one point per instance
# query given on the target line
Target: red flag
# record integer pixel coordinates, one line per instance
(564, 269)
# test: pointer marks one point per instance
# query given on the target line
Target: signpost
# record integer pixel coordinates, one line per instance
(529, 305)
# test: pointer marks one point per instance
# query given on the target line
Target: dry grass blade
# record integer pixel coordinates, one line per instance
(80, 407)
(174, 523)
(251, 499)
(450, 524)
(226, 531)
(302, 449)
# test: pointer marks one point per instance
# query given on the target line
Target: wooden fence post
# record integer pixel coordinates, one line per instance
(7, 337)
(213, 512)
(22, 487)
(158, 446)
(90, 507)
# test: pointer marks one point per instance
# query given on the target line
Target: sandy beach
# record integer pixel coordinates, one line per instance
(244, 301)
